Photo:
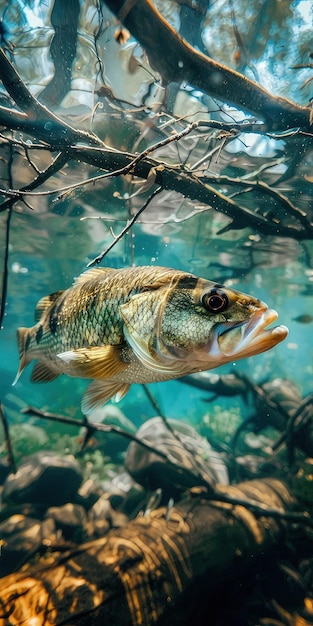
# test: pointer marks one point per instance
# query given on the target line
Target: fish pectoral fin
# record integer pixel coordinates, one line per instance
(99, 392)
(42, 373)
(96, 362)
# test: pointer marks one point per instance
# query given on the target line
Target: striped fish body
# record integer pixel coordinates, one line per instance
(141, 324)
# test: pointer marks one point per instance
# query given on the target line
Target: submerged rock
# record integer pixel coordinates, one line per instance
(44, 478)
(5, 469)
(21, 537)
(190, 459)
(28, 438)
(71, 519)
(111, 444)
(102, 517)
(124, 494)
(88, 493)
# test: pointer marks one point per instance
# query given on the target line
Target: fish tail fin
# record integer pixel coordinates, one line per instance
(22, 341)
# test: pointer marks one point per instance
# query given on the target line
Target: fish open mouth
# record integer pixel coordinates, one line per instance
(252, 337)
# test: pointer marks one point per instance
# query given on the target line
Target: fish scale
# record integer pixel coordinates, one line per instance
(139, 325)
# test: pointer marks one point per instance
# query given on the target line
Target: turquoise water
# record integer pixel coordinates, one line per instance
(45, 257)
(54, 236)
(99, 80)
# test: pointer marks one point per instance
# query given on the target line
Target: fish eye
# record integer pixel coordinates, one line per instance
(215, 301)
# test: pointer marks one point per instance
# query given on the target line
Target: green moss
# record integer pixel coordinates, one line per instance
(220, 423)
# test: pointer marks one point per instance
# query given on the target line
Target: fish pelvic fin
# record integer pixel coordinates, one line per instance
(23, 339)
(96, 362)
(99, 392)
(42, 373)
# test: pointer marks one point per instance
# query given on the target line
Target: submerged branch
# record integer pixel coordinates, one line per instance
(125, 230)
(184, 182)
(93, 427)
(7, 438)
(52, 127)
(82, 146)
(183, 63)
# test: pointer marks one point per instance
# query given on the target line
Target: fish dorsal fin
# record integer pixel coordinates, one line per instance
(99, 392)
(94, 272)
(42, 373)
(96, 362)
(45, 303)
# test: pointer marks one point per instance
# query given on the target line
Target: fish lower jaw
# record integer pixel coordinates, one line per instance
(253, 337)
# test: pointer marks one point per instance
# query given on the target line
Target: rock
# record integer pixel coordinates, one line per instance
(191, 459)
(44, 478)
(102, 517)
(5, 469)
(111, 444)
(71, 519)
(125, 495)
(20, 538)
(88, 493)
(28, 438)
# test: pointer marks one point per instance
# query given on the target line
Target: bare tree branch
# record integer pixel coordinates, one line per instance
(83, 146)
(52, 127)
(183, 63)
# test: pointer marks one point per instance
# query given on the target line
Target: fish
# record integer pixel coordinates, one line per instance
(139, 325)
(303, 319)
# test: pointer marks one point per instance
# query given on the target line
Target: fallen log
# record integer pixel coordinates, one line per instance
(157, 569)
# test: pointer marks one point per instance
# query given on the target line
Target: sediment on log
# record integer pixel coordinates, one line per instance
(158, 569)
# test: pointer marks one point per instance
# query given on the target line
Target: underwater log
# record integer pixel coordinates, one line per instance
(157, 569)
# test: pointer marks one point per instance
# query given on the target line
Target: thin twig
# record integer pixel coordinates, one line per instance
(125, 230)
(261, 510)
(53, 126)
(58, 162)
(126, 169)
(5, 267)
(6, 248)
(153, 401)
(259, 184)
(110, 428)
